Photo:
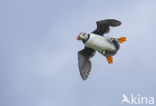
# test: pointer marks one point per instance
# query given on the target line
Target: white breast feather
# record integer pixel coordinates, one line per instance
(99, 43)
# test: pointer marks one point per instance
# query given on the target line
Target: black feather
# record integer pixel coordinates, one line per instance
(103, 26)
(84, 62)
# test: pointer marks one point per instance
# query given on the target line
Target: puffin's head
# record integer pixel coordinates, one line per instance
(82, 36)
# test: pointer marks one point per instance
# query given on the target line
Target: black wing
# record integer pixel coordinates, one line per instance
(84, 62)
(103, 26)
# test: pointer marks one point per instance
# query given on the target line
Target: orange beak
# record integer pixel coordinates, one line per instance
(78, 37)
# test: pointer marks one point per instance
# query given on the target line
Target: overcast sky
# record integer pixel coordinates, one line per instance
(38, 58)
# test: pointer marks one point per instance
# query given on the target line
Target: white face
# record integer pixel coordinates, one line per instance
(83, 36)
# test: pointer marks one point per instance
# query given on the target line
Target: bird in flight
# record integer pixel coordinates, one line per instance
(96, 41)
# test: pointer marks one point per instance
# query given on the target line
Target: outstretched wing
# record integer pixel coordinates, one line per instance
(103, 26)
(83, 61)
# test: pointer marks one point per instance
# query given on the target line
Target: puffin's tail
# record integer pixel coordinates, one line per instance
(122, 39)
(110, 58)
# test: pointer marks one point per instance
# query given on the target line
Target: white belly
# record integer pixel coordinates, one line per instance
(100, 43)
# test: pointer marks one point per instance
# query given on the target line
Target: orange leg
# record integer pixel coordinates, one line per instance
(122, 39)
(109, 58)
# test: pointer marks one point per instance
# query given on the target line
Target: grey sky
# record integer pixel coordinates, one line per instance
(38, 58)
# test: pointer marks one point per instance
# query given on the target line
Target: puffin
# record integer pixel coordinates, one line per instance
(96, 41)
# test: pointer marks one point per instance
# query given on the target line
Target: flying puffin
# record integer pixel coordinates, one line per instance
(95, 41)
